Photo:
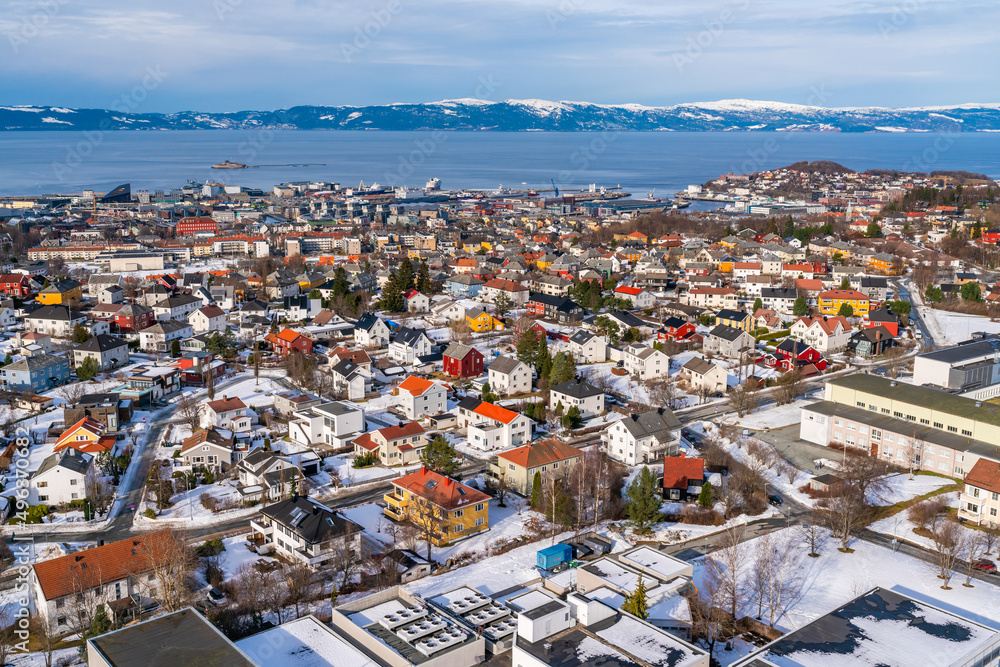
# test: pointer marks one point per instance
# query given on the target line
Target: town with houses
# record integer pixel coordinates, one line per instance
(415, 427)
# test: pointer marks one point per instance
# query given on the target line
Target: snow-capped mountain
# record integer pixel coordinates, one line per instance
(529, 115)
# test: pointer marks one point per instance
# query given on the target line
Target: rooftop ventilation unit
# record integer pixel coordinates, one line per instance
(402, 617)
(441, 641)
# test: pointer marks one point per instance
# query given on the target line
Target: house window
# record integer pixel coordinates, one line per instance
(458, 513)
(480, 506)
(42, 499)
(73, 482)
(42, 485)
(480, 521)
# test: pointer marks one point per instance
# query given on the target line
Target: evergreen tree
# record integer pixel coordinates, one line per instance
(972, 292)
(757, 304)
(706, 498)
(88, 370)
(573, 419)
(392, 296)
(609, 328)
(440, 456)
(537, 497)
(846, 310)
(80, 333)
(643, 501)
(636, 602)
(789, 227)
(341, 287)
(175, 348)
(632, 335)
(874, 230)
(405, 275)
(527, 347)
(556, 375)
(543, 361)
(424, 278)
(800, 308)
(845, 283)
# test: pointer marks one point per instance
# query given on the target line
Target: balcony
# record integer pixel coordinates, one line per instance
(260, 528)
(966, 511)
(395, 501)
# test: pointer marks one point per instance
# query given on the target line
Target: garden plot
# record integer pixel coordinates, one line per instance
(187, 506)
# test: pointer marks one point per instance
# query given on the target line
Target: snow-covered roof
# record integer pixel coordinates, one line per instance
(304, 642)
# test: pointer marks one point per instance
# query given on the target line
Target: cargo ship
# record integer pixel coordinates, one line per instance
(229, 165)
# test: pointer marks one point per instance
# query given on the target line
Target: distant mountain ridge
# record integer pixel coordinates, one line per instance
(527, 116)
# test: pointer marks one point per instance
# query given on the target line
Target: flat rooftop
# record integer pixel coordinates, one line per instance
(304, 642)
(881, 627)
(655, 562)
(184, 637)
(617, 576)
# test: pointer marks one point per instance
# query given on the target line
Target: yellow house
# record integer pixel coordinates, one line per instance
(438, 506)
(831, 301)
(737, 319)
(481, 321)
(726, 265)
(60, 292)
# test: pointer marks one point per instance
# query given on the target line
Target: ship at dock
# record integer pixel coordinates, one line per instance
(229, 165)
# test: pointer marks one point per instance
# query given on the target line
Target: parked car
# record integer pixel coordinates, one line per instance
(985, 564)
(215, 596)
(775, 499)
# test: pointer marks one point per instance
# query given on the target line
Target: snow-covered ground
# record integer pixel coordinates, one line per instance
(950, 328)
(774, 416)
(902, 488)
(187, 506)
(835, 577)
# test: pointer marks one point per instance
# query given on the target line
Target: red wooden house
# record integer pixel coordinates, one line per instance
(15, 284)
(675, 329)
(792, 353)
(287, 340)
(462, 361)
(134, 317)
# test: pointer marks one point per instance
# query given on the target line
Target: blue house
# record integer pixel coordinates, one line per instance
(463, 285)
(38, 373)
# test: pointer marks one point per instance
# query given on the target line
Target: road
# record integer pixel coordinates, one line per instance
(903, 293)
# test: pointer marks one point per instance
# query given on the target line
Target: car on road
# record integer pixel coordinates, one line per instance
(775, 500)
(985, 565)
(692, 436)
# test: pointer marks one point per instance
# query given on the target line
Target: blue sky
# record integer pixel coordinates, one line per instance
(224, 55)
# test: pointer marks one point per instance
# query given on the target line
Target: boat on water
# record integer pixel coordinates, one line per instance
(229, 165)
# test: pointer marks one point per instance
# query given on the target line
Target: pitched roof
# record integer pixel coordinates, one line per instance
(440, 490)
(624, 289)
(985, 475)
(504, 364)
(310, 519)
(657, 423)
(211, 436)
(540, 453)
(226, 404)
(495, 412)
(416, 386)
(400, 431)
(679, 470)
(102, 343)
(459, 351)
(843, 295)
(92, 567)
(211, 311)
(577, 389)
(698, 365)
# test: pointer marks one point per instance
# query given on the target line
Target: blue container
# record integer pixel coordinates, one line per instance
(557, 554)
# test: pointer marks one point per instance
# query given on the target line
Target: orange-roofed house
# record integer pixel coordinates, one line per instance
(419, 398)
(393, 445)
(87, 436)
(638, 297)
(636, 237)
(492, 426)
(519, 466)
(286, 340)
(104, 574)
(443, 509)
(682, 478)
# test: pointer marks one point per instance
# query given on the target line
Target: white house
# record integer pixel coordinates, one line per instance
(351, 379)
(228, 413)
(824, 334)
(642, 438)
(588, 348)
(419, 398)
(638, 297)
(176, 307)
(334, 424)
(492, 426)
(645, 362)
(579, 394)
(158, 337)
(60, 478)
(704, 376)
(409, 344)
(371, 331)
(209, 318)
(711, 297)
(109, 352)
(416, 302)
(509, 376)
(57, 321)
(448, 310)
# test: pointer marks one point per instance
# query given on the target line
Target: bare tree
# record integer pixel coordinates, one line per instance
(346, 560)
(73, 392)
(947, 540)
(758, 581)
(845, 513)
(273, 594)
(789, 387)
(661, 392)
(728, 566)
(785, 582)
(190, 412)
(99, 491)
(8, 637)
(812, 534)
(710, 622)
(164, 565)
(250, 596)
(991, 534)
(895, 360)
(974, 548)
(46, 641)
(743, 396)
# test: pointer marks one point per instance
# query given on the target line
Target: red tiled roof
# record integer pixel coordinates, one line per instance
(400, 431)
(677, 470)
(843, 294)
(985, 475)
(365, 440)
(540, 453)
(93, 567)
(627, 290)
(443, 491)
(91, 426)
(226, 404)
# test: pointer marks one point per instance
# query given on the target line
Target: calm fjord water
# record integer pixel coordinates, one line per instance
(50, 162)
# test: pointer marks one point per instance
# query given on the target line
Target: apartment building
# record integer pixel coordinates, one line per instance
(980, 499)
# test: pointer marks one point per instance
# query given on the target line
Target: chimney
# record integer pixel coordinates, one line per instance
(423, 470)
(682, 454)
(447, 481)
(100, 542)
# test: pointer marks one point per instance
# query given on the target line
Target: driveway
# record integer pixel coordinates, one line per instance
(799, 453)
